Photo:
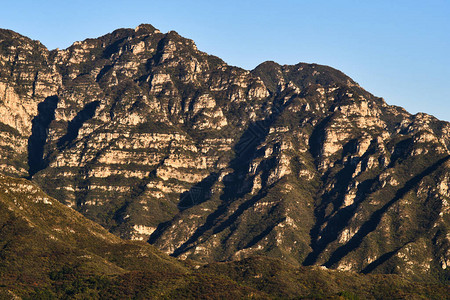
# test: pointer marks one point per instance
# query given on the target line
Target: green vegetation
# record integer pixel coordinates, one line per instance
(49, 251)
(318, 172)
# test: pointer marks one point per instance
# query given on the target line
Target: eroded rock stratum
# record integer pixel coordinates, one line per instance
(156, 140)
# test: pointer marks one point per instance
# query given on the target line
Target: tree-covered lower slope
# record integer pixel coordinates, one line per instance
(50, 251)
(46, 245)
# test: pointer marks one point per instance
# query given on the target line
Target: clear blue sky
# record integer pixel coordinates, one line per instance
(398, 50)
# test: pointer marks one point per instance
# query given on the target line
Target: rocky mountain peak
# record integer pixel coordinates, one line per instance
(145, 29)
(158, 141)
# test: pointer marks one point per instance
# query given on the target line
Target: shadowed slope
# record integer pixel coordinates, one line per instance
(375, 218)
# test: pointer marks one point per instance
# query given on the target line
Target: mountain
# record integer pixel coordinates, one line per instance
(44, 242)
(157, 141)
(50, 251)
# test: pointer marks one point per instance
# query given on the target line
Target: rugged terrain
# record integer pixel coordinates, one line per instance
(49, 251)
(157, 141)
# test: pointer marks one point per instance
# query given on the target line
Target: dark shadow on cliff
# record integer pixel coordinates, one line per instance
(102, 72)
(39, 134)
(339, 218)
(259, 237)
(401, 151)
(375, 218)
(381, 260)
(235, 184)
(199, 193)
(317, 137)
(75, 125)
(426, 220)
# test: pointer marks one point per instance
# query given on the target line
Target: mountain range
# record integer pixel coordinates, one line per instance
(293, 167)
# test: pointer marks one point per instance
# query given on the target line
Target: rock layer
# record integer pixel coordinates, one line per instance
(156, 140)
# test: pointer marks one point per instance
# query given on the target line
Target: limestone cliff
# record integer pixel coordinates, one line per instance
(156, 140)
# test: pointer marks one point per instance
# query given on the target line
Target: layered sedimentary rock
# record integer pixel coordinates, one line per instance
(156, 140)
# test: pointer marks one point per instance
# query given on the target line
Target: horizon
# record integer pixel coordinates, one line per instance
(397, 51)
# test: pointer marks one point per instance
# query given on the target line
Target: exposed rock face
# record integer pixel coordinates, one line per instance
(155, 140)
